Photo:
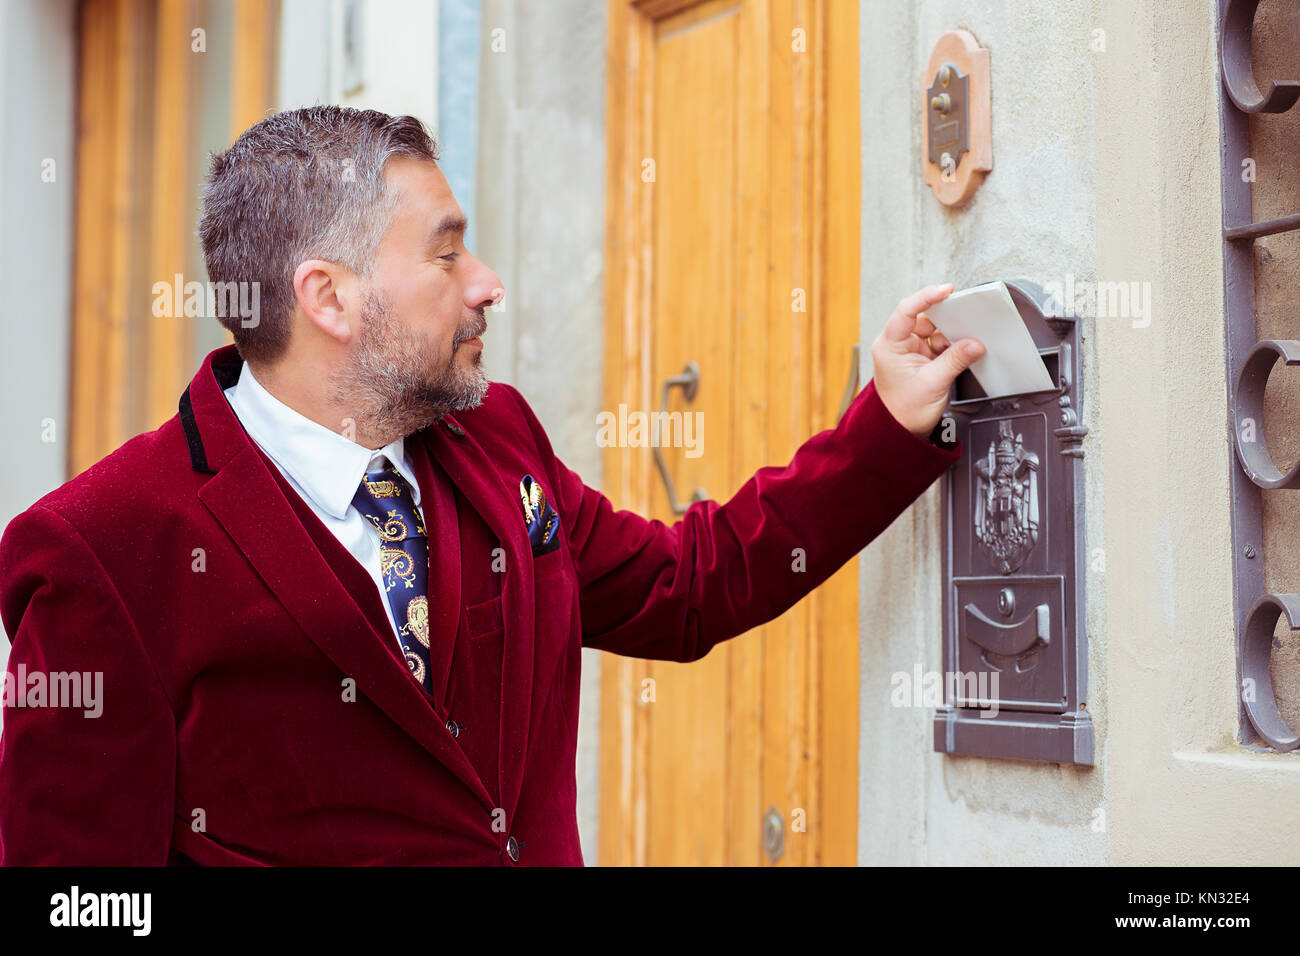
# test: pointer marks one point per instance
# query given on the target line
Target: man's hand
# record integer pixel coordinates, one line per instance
(912, 374)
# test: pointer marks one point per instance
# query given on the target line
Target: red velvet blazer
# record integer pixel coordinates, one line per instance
(255, 709)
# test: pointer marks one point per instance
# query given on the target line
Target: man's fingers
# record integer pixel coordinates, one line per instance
(937, 342)
(903, 321)
(926, 339)
(928, 345)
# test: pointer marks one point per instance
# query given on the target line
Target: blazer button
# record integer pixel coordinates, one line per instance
(453, 728)
(512, 848)
(453, 427)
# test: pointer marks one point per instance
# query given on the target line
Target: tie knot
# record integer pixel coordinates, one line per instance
(386, 483)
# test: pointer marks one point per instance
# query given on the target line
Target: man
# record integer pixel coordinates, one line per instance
(338, 601)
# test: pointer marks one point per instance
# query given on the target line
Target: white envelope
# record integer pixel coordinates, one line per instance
(1011, 364)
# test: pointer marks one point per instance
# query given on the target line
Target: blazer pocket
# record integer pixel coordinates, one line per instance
(203, 850)
(484, 618)
(548, 563)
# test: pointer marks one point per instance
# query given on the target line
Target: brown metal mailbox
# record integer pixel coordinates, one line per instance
(1015, 649)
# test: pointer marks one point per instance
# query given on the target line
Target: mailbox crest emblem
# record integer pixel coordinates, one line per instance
(1006, 500)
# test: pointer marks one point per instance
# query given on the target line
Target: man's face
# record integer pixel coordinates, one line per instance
(418, 351)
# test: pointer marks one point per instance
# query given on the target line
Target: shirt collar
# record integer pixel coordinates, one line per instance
(327, 466)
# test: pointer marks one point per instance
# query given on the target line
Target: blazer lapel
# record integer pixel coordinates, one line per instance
(438, 502)
(284, 556)
(468, 465)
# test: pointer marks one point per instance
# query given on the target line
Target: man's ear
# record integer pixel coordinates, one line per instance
(323, 291)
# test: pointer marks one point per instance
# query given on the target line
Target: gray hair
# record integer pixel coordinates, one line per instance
(303, 184)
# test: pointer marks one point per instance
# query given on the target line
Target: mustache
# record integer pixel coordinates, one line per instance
(477, 329)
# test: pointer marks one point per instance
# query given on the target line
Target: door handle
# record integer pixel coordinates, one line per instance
(689, 382)
(851, 386)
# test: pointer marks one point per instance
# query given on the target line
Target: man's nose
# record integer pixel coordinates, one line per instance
(484, 287)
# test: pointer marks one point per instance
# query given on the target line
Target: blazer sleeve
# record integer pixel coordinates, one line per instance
(78, 787)
(672, 592)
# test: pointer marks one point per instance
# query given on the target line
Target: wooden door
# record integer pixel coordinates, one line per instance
(733, 218)
(151, 74)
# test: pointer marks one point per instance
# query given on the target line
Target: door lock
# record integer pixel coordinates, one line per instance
(773, 834)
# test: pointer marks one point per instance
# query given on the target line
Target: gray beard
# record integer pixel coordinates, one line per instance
(387, 382)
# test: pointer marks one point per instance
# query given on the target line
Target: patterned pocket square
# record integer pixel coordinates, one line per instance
(540, 518)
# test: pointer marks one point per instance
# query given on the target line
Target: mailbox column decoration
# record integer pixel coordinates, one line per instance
(1015, 649)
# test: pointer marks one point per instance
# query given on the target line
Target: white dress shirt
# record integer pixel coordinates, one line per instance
(323, 467)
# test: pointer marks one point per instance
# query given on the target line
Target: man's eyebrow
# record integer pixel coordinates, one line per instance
(451, 223)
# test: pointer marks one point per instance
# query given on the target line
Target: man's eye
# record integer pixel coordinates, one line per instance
(451, 256)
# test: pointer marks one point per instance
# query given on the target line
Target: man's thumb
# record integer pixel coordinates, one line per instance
(959, 356)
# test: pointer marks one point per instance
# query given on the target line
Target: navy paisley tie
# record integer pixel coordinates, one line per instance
(387, 502)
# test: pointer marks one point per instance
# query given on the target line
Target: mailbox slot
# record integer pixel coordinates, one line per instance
(966, 389)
